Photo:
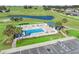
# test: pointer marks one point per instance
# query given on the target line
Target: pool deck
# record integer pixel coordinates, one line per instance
(47, 30)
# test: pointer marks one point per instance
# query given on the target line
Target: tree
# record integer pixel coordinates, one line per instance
(25, 7)
(58, 23)
(47, 7)
(18, 30)
(3, 8)
(75, 6)
(67, 32)
(16, 18)
(64, 20)
(10, 31)
(29, 6)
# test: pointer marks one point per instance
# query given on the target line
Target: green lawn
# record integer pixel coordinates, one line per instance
(29, 41)
(19, 10)
(39, 11)
(3, 47)
(73, 33)
(73, 21)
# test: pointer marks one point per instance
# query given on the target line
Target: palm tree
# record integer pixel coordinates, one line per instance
(10, 31)
(18, 30)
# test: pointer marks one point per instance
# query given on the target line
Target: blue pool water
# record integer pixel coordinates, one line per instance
(35, 17)
(29, 32)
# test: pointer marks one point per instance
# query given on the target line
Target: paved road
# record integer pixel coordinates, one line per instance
(60, 47)
(15, 49)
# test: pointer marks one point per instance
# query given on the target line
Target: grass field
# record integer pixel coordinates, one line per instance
(72, 21)
(20, 11)
(73, 33)
(38, 39)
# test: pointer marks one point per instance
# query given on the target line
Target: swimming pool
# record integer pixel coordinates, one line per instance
(31, 31)
(35, 17)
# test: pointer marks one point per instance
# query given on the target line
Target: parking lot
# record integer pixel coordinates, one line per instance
(60, 47)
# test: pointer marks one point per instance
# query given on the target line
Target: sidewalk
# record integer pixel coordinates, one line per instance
(14, 43)
(35, 45)
(63, 34)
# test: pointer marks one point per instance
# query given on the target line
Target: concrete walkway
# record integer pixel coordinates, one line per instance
(35, 45)
(14, 43)
(63, 34)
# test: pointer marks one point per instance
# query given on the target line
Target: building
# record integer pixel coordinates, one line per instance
(72, 12)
